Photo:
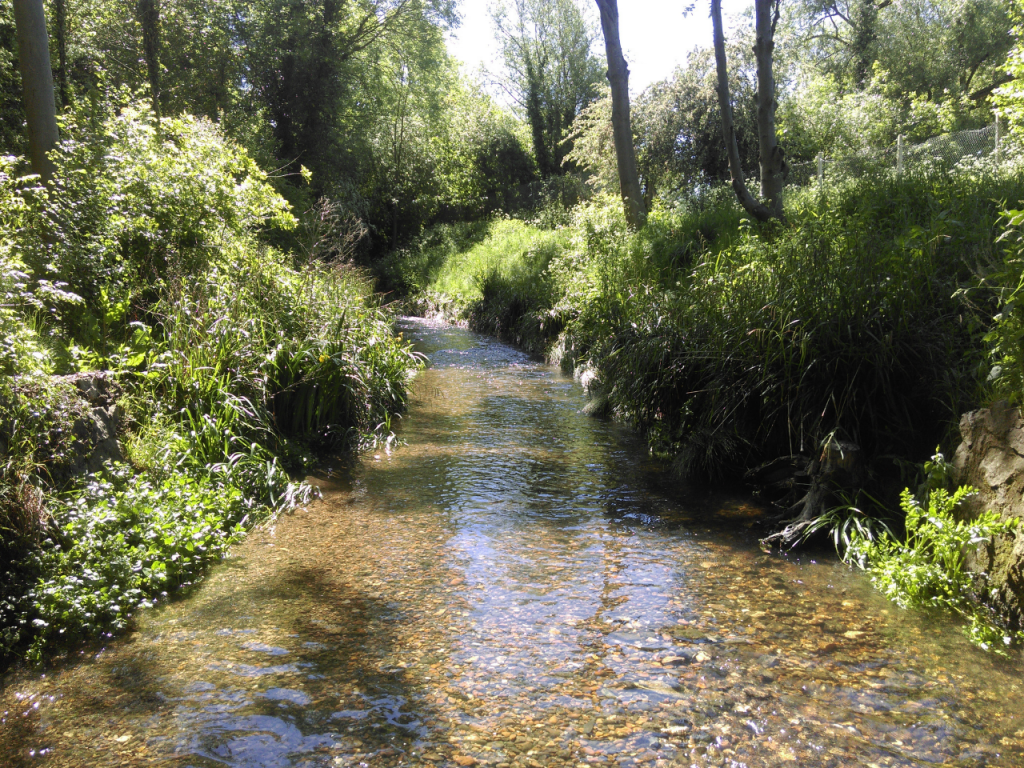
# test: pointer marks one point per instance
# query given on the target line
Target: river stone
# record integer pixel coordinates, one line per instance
(638, 641)
(668, 688)
(991, 458)
(678, 660)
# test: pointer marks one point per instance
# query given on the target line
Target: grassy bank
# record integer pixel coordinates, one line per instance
(863, 318)
(492, 274)
(233, 365)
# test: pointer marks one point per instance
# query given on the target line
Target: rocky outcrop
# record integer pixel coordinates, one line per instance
(97, 432)
(991, 458)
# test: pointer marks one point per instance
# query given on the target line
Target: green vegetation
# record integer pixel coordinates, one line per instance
(727, 346)
(927, 569)
(493, 274)
(114, 547)
(235, 363)
(232, 308)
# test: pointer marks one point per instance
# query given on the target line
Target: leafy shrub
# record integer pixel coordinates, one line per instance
(37, 446)
(22, 350)
(134, 207)
(927, 569)
(118, 544)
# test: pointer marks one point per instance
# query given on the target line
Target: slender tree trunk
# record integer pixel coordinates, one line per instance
(535, 116)
(622, 130)
(60, 29)
(772, 157)
(37, 84)
(149, 17)
(774, 153)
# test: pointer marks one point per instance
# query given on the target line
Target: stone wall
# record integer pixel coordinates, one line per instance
(991, 458)
(96, 432)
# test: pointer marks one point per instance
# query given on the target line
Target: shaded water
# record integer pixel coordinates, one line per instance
(515, 587)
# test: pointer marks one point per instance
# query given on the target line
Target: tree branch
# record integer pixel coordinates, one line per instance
(370, 29)
(983, 93)
(752, 206)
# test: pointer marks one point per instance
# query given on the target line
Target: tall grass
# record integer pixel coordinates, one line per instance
(728, 344)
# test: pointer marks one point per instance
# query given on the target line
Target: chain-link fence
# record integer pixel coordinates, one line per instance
(938, 153)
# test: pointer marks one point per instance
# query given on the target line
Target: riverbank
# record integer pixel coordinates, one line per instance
(727, 347)
(165, 373)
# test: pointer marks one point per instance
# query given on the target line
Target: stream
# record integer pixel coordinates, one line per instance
(519, 585)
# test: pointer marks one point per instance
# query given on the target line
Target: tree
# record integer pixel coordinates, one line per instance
(202, 58)
(679, 124)
(771, 156)
(313, 66)
(1009, 97)
(622, 129)
(12, 111)
(412, 74)
(60, 30)
(149, 18)
(925, 47)
(551, 72)
(37, 84)
(868, 72)
(483, 163)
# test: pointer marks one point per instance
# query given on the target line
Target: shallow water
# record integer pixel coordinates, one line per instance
(519, 586)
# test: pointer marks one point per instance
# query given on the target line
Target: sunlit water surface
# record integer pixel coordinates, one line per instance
(519, 586)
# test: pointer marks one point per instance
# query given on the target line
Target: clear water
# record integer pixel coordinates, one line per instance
(519, 586)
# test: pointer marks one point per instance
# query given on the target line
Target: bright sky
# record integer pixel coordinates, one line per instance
(654, 34)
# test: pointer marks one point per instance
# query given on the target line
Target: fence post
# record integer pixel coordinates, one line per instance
(821, 169)
(899, 155)
(999, 141)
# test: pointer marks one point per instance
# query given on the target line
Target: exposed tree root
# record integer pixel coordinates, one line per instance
(839, 466)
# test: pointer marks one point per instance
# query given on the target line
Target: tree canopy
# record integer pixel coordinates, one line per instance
(359, 101)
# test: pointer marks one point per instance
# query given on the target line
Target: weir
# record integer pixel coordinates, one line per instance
(520, 585)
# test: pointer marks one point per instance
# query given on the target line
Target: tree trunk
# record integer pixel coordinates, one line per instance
(622, 131)
(535, 116)
(769, 149)
(149, 17)
(60, 27)
(773, 160)
(37, 84)
(864, 20)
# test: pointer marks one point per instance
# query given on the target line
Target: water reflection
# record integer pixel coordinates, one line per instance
(519, 586)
